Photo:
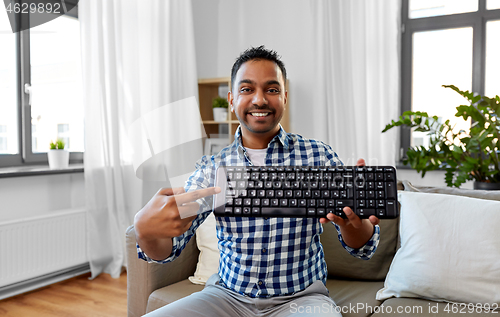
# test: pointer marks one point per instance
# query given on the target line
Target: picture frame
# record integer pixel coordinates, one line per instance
(214, 145)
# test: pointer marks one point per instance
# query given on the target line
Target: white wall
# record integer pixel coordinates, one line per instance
(206, 20)
(30, 196)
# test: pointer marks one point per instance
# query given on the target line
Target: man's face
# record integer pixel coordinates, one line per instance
(258, 98)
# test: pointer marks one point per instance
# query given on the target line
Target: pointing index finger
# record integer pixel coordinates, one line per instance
(197, 194)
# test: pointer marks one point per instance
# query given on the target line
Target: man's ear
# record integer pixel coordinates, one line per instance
(230, 100)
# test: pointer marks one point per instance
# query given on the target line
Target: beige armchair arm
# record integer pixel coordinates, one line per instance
(143, 278)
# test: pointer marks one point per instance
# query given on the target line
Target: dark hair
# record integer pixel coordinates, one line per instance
(256, 53)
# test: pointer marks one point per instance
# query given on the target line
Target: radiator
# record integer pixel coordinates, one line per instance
(39, 246)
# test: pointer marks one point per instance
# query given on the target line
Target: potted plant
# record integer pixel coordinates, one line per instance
(464, 155)
(58, 156)
(219, 106)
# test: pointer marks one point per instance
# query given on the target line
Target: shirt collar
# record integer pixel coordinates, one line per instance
(282, 137)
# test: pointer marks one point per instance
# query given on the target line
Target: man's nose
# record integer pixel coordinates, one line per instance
(259, 98)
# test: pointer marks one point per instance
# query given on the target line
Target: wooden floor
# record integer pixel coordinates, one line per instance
(103, 296)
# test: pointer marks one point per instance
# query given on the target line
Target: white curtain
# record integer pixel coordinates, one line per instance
(138, 56)
(357, 84)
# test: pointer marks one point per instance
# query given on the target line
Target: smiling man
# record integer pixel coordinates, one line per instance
(268, 266)
(258, 99)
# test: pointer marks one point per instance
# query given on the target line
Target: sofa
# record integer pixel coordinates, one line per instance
(412, 284)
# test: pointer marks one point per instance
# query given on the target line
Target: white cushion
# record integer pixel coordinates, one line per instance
(450, 250)
(208, 260)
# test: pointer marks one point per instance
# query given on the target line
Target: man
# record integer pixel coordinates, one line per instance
(266, 264)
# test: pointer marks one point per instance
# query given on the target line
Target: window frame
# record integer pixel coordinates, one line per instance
(23, 76)
(477, 20)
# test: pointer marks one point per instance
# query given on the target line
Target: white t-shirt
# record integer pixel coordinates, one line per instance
(257, 156)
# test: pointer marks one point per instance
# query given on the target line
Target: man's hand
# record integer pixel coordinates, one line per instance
(168, 214)
(355, 231)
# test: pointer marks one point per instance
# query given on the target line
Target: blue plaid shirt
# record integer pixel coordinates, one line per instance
(265, 257)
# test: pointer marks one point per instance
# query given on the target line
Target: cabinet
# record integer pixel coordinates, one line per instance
(208, 89)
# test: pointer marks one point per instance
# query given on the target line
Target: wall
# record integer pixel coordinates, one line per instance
(434, 178)
(29, 196)
(206, 35)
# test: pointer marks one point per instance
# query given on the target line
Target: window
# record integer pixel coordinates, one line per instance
(63, 134)
(3, 138)
(45, 59)
(447, 42)
(8, 94)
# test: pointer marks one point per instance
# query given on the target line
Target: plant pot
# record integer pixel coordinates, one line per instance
(486, 186)
(220, 114)
(58, 159)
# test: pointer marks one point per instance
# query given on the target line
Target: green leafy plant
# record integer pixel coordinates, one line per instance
(58, 145)
(464, 155)
(219, 102)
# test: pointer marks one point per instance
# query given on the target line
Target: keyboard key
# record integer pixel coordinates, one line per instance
(390, 190)
(366, 212)
(345, 203)
(289, 212)
(391, 208)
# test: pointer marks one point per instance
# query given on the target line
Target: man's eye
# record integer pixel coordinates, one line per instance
(245, 90)
(273, 90)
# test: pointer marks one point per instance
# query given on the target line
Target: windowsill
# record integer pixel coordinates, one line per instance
(401, 166)
(35, 170)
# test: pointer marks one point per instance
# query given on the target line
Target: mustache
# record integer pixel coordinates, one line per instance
(260, 109)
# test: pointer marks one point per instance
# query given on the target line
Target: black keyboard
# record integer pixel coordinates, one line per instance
(306, 191)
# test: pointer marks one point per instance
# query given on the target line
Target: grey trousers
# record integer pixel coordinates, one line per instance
(216, 300)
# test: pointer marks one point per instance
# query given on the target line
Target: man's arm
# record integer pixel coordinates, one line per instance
(168, 214)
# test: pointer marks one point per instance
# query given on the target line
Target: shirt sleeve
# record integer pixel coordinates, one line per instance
(197, 180)
(366, 251)
(332, 159)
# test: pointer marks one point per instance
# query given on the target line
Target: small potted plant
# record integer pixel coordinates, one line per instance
(219, 106)
(464, 155)
(58, 156)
